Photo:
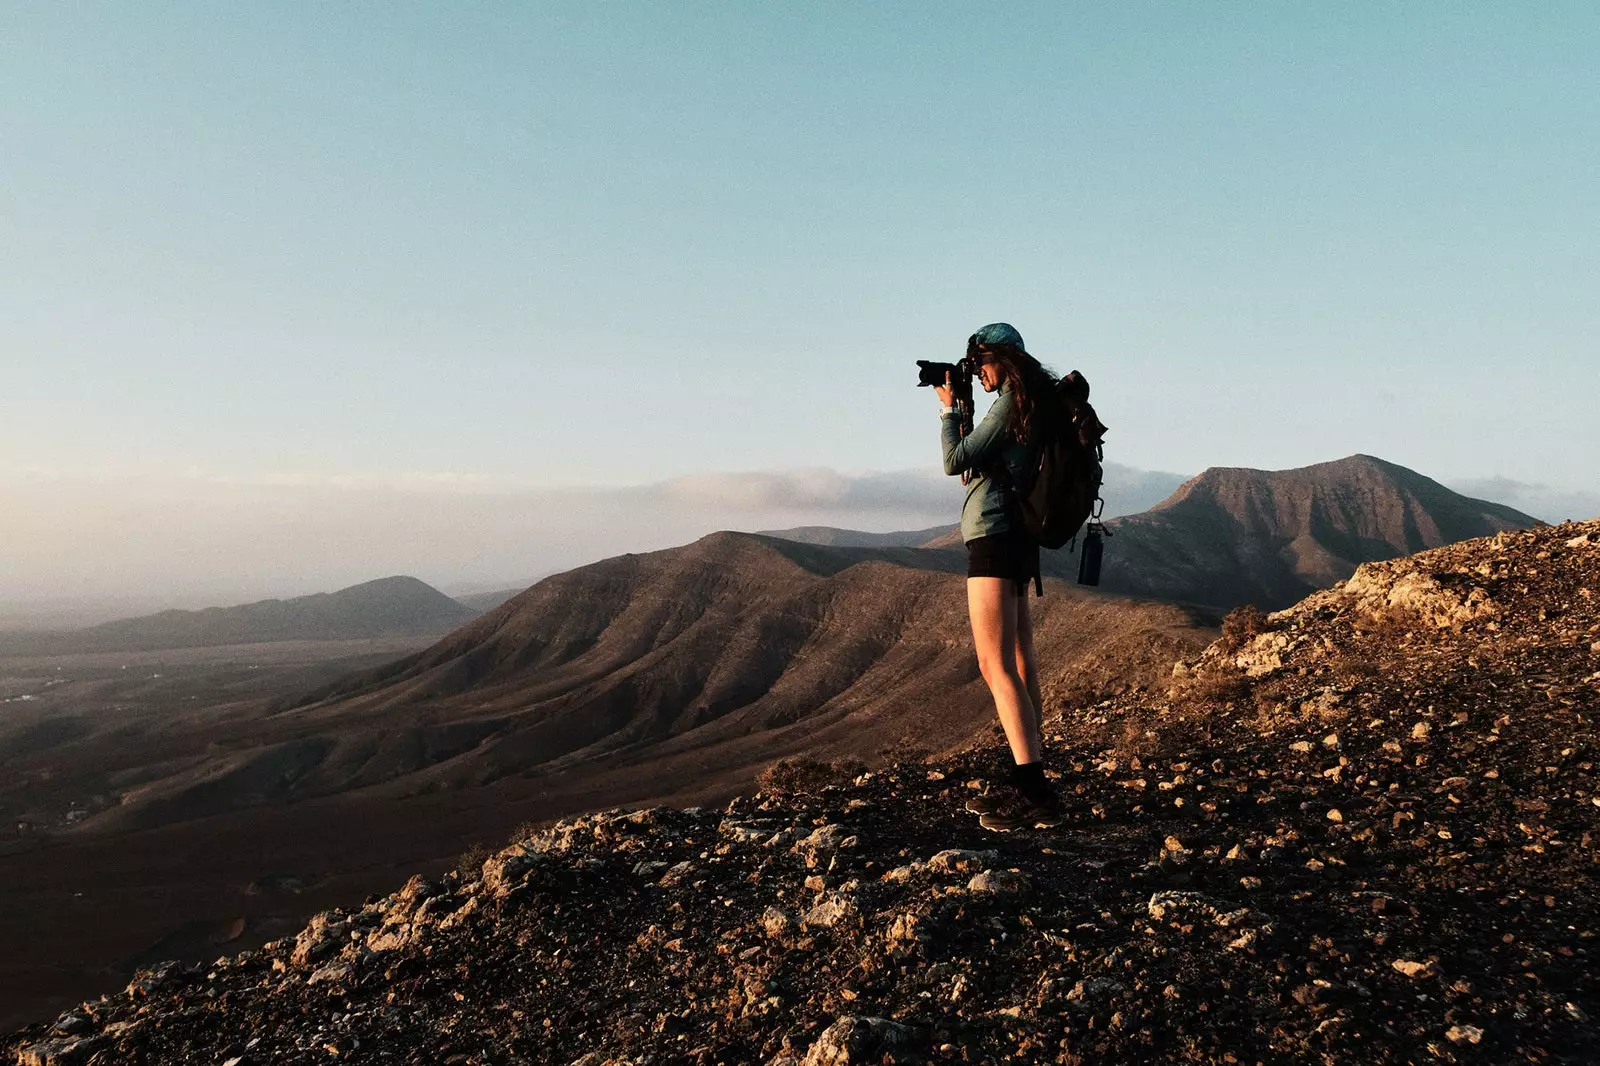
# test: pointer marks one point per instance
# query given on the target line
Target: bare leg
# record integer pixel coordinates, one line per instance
(992, 606)
(1026, 665)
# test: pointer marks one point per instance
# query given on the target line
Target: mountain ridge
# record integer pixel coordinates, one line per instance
(390, 606)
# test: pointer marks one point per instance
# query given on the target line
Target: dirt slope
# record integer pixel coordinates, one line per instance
(1361, 830)
(701, 663)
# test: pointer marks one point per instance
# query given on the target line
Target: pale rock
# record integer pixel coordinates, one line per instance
(1263, 655)
(854, 1039)
(73, 1051)
(1192, 906)
(322, 935)
(903, 928)
(955, 860)
(413, 894)
(333, 972)
(510, 867)
(391, 937)
(741, 833)
(460, 915)
(831, 913)
(776, 922)
(999, 883)
(824, 838)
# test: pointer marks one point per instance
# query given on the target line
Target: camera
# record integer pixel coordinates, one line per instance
(961, 373)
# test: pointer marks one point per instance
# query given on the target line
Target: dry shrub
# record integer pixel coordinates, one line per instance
(1390, 625)
(1077, 691)
(470, 864)
(1242, 625)
(1214, 684)
(803, 774)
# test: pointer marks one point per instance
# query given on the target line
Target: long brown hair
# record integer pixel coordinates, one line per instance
(1026, 377)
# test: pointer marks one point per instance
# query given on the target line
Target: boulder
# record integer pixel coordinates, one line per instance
(855, 1039)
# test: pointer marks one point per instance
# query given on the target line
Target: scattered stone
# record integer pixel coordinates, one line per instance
(954, 860)
(777, 923)
(854, 1040)
(1192, 906)
(510, 867)
(832, 912)
(1464, 1034)
(824, 838)
(999, 883)
(322, 935)
(333, 972)
(1412, 968)
(72, 1051)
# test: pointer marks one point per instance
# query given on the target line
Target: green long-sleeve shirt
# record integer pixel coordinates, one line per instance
(987, 509)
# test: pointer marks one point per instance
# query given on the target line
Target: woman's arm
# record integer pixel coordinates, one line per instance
(983, 444)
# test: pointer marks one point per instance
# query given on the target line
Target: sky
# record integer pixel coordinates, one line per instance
(290, 293)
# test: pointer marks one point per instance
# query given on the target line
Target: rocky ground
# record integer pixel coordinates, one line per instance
(1359, 830)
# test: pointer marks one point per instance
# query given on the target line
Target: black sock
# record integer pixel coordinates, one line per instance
(1028, 778)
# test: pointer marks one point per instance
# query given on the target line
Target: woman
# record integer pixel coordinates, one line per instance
(997, 456)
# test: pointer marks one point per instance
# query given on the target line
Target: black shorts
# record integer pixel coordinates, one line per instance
(1008, 555)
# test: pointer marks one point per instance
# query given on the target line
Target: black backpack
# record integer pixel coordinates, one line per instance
(1066, 483)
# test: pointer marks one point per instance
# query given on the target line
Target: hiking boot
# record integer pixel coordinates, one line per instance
(1024, 813)
(995, 798)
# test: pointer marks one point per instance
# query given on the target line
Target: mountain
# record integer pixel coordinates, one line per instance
(390, 606)
(855, 538)
(1358, 831)
(1233, 536)
(684, 669)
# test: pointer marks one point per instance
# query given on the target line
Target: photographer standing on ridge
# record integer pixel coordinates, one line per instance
(998, 456)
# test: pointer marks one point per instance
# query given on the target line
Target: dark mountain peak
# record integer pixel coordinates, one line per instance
(1335, 475)
(395, 584)
(1234, 535)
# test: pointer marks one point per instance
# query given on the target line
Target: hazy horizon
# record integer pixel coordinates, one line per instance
(464, 538)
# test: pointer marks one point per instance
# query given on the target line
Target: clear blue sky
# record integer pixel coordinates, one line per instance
(606, 244)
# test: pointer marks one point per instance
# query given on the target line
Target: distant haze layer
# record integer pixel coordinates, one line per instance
(87, 548)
